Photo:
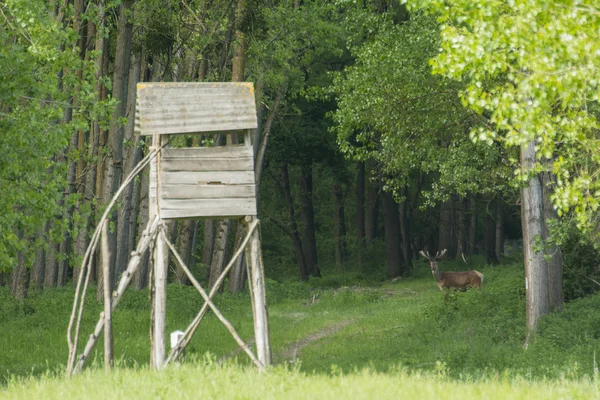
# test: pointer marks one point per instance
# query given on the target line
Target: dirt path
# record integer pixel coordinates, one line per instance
(291, 353)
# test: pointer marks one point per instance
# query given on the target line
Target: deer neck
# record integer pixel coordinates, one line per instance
(437, 274)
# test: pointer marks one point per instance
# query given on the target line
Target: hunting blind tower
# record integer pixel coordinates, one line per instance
(197, 182)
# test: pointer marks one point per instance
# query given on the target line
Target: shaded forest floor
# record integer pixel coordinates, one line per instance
(330, 326)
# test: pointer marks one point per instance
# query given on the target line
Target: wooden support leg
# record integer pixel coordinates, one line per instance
(256, 280)
(159, 304)
(108, 332)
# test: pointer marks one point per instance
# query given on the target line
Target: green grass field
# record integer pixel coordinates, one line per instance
(332, 337)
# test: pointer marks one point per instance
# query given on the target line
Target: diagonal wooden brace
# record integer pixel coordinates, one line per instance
(212, 306)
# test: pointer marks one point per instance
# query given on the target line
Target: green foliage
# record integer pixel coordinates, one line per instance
(533, 67)
(38, 81)
(391, 108)
(581, 260)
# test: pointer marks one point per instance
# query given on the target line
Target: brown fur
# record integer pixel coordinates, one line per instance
(461, 280)
(452, 280)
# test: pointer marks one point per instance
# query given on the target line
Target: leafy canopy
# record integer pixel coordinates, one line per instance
(533, 68)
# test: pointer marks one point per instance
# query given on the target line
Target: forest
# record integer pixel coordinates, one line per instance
(386, 128)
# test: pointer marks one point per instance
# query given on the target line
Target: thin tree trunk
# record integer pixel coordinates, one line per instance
(236, 275)
(461, 245)
(38, 269)
(536, 268)
(185, 248)
(307, 213)
(209, 242)
(472, 216)
(219, 251)
(445, 229)
(87, 178)
(360, 209)
(19, 279)
(341, 252)
(113, 169)
(51, 270)
(141, 275)
(293, 231)
(489, 238)
(131, 156)
(499, 248)
(99, 136)
(405, 230)
(372, 206)
(555, 267)
(393, 242)
(266, 132)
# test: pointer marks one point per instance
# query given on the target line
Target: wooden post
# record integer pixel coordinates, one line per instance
(256, 280)
(159, 284)
(108, 334)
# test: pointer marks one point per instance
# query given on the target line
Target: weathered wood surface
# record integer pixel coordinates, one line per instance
(214, 178)
(256, 282)
(189, 332)
(215, 310)
(143, 244)
(207, 182)
(173, 192)
(235, 207)
(213, 164)
(109, 348)
(229, 151)
(183, 108)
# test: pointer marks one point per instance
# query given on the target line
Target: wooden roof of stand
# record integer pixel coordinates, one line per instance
(186, 108)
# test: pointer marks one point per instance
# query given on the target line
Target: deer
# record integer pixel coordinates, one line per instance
(452, 280)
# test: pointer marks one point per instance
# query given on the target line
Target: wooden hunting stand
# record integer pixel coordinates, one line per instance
(199, 182)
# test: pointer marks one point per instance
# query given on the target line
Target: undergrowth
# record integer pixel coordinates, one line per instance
(361, 324)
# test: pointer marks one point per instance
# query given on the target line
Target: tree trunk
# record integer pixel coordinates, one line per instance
(445, 230)
(38, 268)
(293, 231)
(472, 218)
(405, 229)
(185, 249)
(555, 267)
(489, 238)
(131, 156)
(461, 237)
(219, 251)
(19, 279)
(113, 170)
(101, 63)
(209, 242)
(532, 219)
(360, 209)
(266, 132)
(87, 173)
(393, 242)
(307, 213)
(499, 231)
(140, 277)
(237, 275)
(51, 270)
(372, 206)
(341, 252)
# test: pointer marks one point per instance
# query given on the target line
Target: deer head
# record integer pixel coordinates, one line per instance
(433, 261)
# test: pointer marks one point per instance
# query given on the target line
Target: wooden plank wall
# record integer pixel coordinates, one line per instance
(207, 182)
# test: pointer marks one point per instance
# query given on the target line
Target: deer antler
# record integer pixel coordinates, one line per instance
(440, 254)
